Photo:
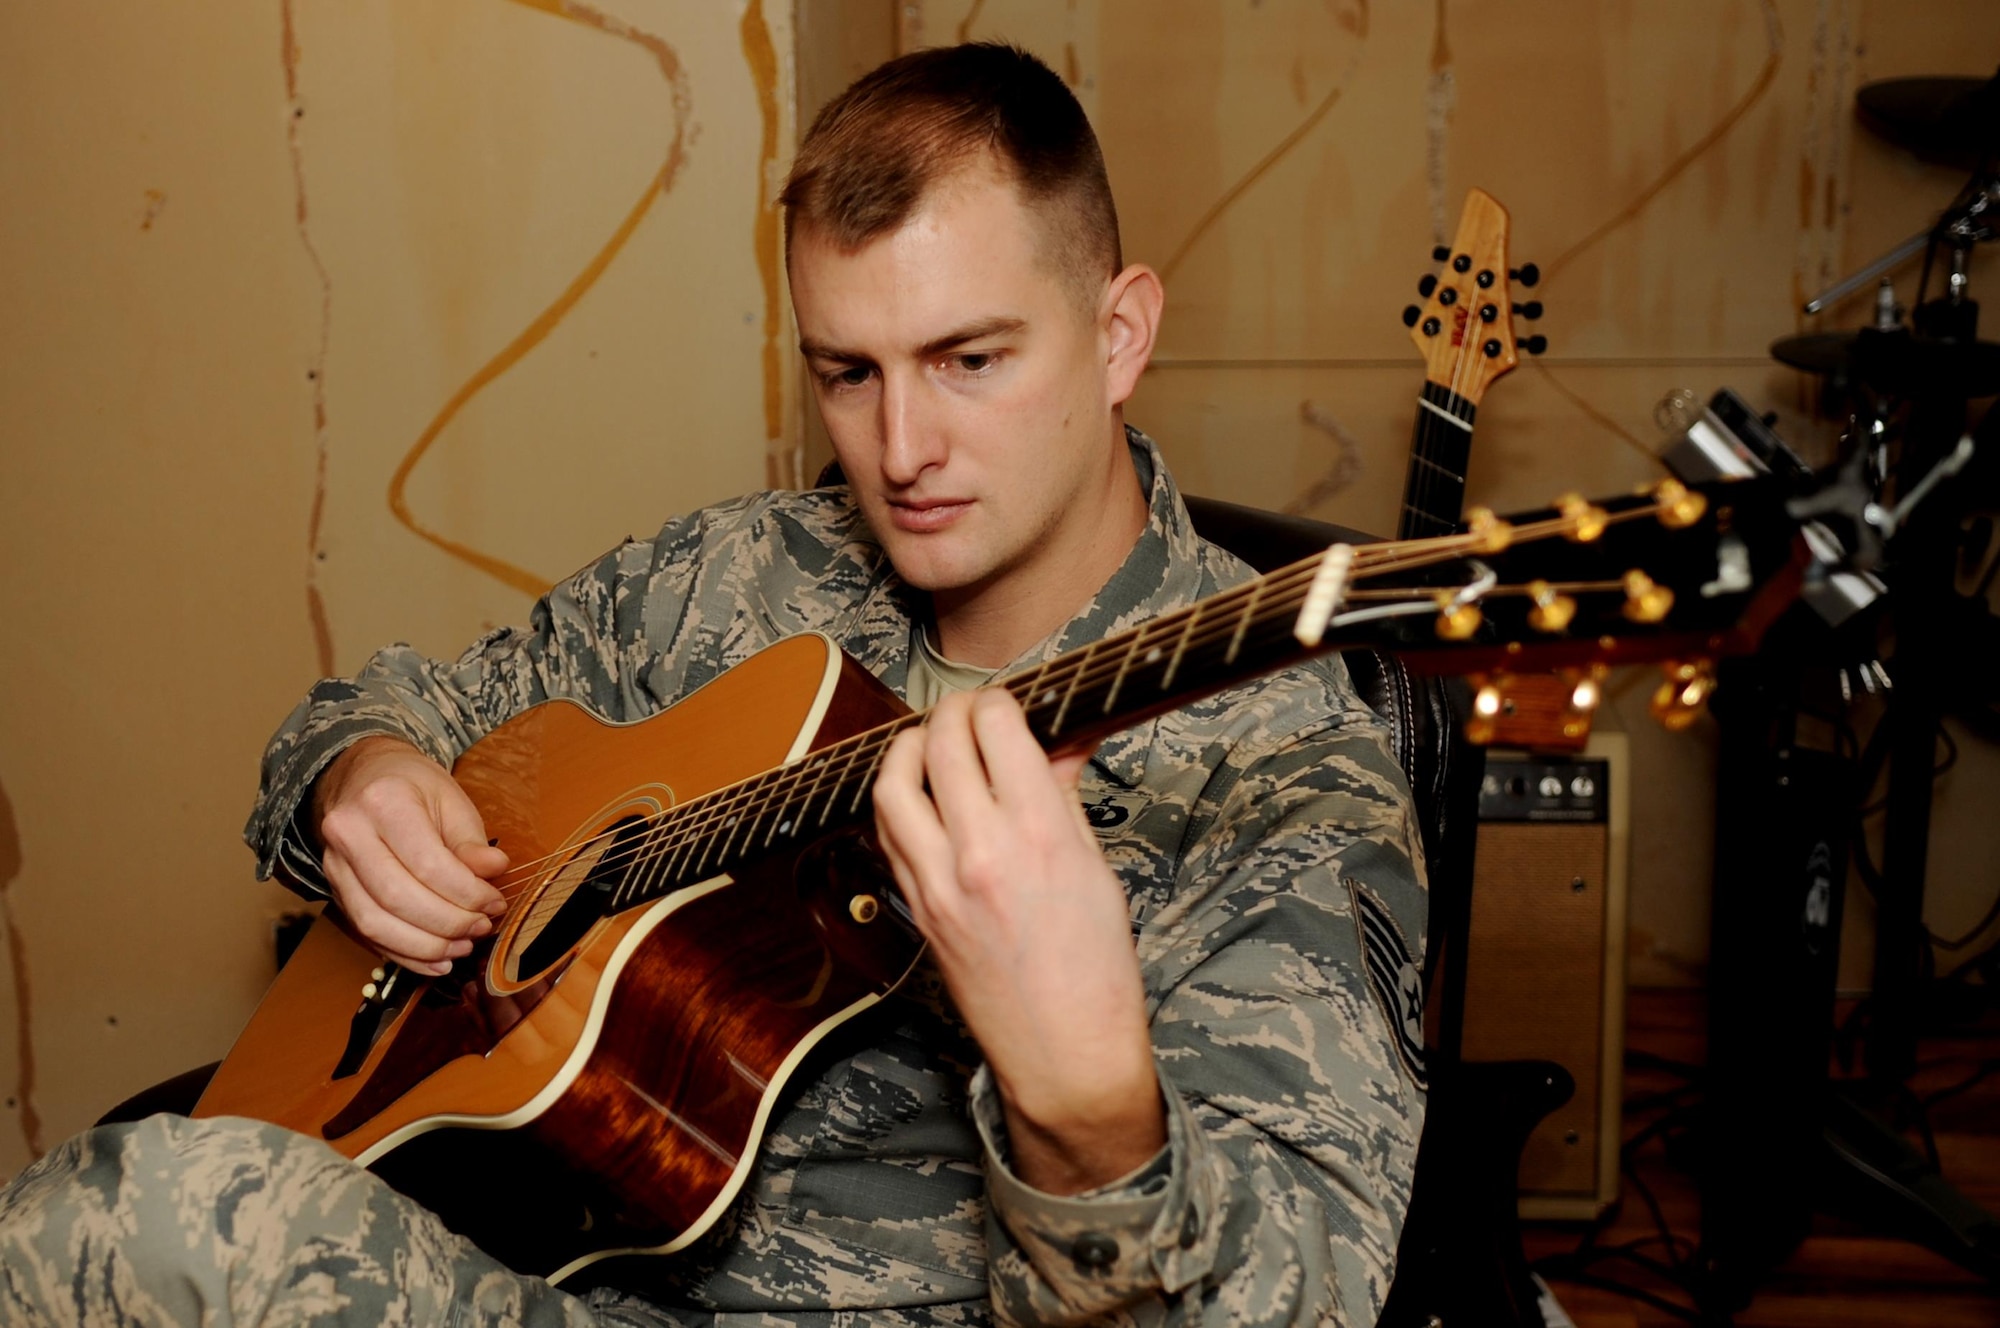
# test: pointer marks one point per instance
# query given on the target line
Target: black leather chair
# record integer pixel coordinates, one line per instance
(1460, 1259)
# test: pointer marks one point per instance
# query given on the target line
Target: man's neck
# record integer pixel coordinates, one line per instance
(994, 624)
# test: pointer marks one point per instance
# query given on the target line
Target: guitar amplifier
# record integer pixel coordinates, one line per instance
(1545, 967)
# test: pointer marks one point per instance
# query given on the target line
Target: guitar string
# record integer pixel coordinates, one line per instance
(699, 820)
(709, 812)
(1055, 671)
(722, 808)
(727, 812)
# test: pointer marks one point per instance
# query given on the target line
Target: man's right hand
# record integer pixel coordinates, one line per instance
(406, 854)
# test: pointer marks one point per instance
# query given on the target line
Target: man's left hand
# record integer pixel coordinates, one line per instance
(1032, 933)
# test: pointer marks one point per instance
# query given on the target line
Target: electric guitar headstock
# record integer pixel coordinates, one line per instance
(1464, 329)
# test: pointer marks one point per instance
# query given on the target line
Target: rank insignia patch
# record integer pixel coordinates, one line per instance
(1395, 975)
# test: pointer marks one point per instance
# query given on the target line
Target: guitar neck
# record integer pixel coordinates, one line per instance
(1440, 445)
(1071, 703)
(1555, 588)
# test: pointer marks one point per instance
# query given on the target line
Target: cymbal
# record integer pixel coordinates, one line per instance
(1897, 363)
(1955, 121)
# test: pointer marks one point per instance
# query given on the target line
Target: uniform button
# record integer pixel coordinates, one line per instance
(1093, 1252)
(1190, 1230)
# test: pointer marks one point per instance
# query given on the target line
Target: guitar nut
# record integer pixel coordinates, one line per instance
(863, 908)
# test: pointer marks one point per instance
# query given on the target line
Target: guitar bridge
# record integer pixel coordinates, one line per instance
(380, 999)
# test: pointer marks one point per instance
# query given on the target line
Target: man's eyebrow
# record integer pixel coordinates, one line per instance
(986, 327)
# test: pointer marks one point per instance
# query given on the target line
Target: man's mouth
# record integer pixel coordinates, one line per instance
(924, 515)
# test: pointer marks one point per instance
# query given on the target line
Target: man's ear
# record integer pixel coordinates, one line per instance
(1131, 320)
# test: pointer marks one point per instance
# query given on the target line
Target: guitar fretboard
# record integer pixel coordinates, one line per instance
(1070, 701)
(1440, 445)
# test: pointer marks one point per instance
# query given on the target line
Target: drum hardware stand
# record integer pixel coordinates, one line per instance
(1780, 1139)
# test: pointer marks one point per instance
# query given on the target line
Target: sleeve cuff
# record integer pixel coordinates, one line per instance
(1152, 1231)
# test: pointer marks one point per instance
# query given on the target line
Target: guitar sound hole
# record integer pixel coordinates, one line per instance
(577, 897)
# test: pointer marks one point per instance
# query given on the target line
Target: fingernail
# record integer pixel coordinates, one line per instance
(496, 909)
(482, 926)
(459, 948)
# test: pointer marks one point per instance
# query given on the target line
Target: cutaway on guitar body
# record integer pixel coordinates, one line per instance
(635, 1015)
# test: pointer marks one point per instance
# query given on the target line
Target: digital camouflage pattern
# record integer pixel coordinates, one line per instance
(1256, 833)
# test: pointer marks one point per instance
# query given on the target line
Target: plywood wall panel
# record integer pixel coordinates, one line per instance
(1685, 174)
(248, 255)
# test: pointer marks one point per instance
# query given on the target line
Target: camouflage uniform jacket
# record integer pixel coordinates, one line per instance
(1265, 841)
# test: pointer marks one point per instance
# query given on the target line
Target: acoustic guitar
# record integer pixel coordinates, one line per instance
(694, 900)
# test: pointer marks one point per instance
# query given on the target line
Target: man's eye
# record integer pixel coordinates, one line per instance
(852, 376)
(978, 361)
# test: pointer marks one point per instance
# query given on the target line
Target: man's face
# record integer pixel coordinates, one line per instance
(965, 389)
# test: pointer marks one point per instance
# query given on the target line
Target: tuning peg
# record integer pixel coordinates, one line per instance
(1553, 611)
(1491, 348)
(1527, 274)
(1586, 520)
(1411, 314)
(1646, 600)
(1432, 327)
(1440, 252)
(1530, 311)
(1536, 344)
(1426, 285)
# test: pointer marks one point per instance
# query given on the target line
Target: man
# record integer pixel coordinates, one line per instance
(1056, 1122)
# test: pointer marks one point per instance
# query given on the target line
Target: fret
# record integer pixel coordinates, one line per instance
(816, 763)
(1076, 676)
(868, 776)
(1243, 622)
(677, 864)
(1442, 413)
(1124, 663)
(1427, 463)
(632, 885)
(1180, 647)
(846, 768)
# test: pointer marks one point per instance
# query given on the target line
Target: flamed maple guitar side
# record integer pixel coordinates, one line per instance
(653, 1114)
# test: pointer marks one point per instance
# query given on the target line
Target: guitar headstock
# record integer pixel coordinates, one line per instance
(1465, 327)
(1673, 574)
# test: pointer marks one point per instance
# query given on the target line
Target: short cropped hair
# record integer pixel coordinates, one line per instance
(876, 151)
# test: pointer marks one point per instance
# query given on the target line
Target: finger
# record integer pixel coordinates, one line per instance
(386, 879)
(1021, 772)
(958, 777)
(460, 895)
(409, 946)
(464, 831)
(904, 876)
(907, 820)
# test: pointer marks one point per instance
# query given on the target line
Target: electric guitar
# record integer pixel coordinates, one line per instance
(1464, 329)
(694, 901)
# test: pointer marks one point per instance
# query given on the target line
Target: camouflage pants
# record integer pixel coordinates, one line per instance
(230, 1222)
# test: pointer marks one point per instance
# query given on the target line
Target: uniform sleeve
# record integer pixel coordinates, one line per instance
(1287, 1031)
(587, 640)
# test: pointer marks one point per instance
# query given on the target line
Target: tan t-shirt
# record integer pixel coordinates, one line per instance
(933, 677)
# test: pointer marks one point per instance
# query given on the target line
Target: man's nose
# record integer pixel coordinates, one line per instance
(912, 437)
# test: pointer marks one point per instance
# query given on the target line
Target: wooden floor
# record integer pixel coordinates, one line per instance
(1843, 1274)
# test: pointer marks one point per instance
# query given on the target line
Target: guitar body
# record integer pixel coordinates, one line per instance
(633, 1056)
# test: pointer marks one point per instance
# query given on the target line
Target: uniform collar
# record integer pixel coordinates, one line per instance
(1167, 569)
